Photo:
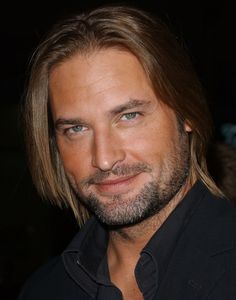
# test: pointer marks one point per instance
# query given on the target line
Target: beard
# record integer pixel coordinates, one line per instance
(124, 210)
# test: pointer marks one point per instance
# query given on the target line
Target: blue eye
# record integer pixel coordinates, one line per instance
(129, 116)
(75, 129)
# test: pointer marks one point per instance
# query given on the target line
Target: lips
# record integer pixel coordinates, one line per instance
(118, 185)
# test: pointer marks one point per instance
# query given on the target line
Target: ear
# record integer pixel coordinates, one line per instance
(187, 127)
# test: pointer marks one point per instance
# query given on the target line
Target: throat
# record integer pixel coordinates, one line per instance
(126, 244)
(122, 275)
(123, 253)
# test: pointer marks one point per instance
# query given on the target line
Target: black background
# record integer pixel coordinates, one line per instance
(32, 230)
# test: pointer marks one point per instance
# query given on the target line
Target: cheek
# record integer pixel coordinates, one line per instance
(154, 143)
(75, 159)
(143, 145)
(154, 137)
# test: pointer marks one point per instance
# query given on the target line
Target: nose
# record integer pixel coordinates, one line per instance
(107, 151)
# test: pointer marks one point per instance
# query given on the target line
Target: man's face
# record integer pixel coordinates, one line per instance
(122, 148)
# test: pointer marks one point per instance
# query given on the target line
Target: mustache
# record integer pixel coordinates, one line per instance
(123, 170)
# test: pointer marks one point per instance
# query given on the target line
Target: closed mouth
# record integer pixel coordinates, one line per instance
(117, 185)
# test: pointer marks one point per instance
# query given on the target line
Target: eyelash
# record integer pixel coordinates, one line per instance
(133, 115)
(67, 131)
(71, 130)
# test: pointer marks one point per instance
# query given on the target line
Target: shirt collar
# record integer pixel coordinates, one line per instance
(163, 242)
(89, 247)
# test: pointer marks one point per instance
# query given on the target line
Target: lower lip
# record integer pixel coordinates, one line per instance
(119, 187)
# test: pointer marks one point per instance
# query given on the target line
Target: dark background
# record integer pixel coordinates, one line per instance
(32, 230)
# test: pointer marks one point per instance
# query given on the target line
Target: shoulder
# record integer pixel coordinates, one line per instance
(214, 207)
(51, 281)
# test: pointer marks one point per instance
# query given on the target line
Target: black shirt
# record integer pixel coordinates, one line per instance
(192, 256)
(154, 258)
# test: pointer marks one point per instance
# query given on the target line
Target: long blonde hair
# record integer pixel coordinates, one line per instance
(165, 62)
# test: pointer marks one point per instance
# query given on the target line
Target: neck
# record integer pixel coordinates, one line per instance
(126, 243)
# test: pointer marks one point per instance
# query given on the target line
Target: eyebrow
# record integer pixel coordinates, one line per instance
(132, 103)
(61, 122)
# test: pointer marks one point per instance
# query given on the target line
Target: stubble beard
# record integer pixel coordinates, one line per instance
(121, 210)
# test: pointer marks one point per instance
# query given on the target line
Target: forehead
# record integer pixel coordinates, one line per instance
(104, 78)
(102, 63)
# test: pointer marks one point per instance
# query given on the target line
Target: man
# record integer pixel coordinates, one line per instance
(117, 128)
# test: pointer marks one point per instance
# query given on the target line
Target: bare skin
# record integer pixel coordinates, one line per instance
(109, 125)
